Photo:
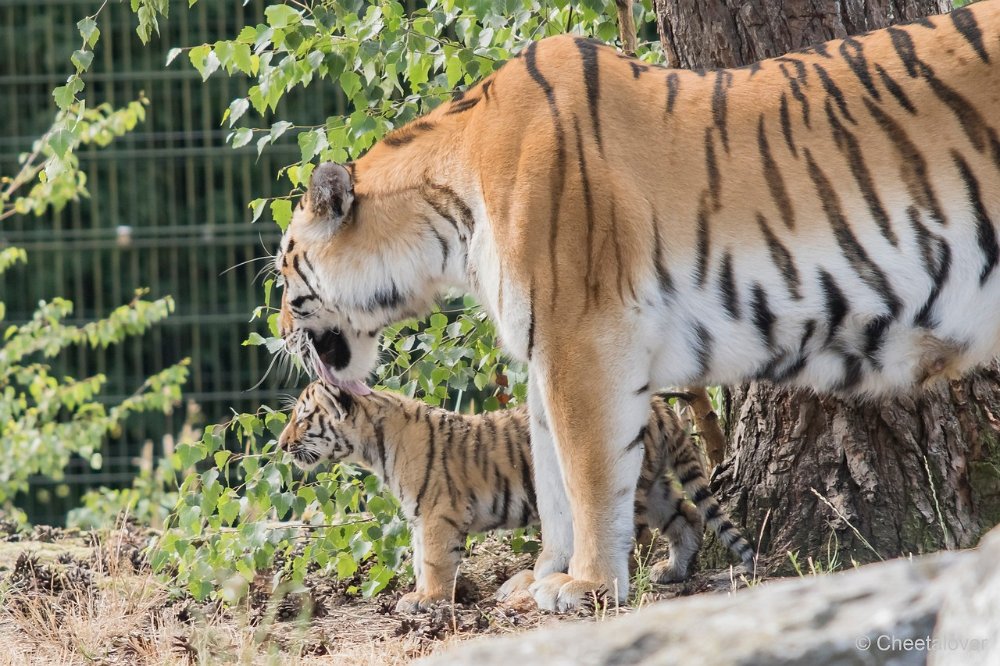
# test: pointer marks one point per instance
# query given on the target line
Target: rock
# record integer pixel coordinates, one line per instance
(943, 607)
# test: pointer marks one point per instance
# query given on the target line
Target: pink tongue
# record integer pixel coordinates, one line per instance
(355, 386)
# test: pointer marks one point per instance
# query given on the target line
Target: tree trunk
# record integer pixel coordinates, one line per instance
(822, 477)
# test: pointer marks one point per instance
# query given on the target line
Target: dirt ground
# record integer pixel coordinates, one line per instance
(68, 597)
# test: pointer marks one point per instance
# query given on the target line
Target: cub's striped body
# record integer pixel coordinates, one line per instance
(827, 219)
(457, 473)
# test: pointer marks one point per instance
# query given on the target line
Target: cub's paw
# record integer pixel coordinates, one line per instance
(519, 582)
(416, 602)
(562, 593)
(668, 571)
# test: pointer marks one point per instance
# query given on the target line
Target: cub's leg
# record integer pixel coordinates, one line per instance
(553, 502)
(595, 409)
(679, 522)
(437, 552)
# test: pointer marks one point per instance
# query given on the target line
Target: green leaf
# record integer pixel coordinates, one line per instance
(89, 31)
(236, 110)
(81, 60)
(171, 55)
(61, 142)
(281, 16)
(281, 212)
(64, 97)
(204, 60)
(242, 137)
(257, 206)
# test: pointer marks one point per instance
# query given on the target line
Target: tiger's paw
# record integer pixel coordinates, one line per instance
(562, 593)
(519, 582)
(417, 602)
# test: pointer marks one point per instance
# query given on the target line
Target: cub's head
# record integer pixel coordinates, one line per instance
(353, 261)
(326, 424)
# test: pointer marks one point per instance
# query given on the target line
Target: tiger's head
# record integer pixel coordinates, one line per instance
(354, 261)
(325, 425)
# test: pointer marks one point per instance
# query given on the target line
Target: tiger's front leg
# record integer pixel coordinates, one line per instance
(596, 407)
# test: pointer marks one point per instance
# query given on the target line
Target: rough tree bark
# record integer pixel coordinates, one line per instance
(821, 475)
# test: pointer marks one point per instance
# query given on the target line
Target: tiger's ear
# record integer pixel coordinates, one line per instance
(329, 199)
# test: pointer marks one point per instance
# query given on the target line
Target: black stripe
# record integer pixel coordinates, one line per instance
(702, 349)
(486, 88)
(875, 337)
(701, 267)
(442, 242)
(673, 87)
(965, 22)
(588, 200)
(833, 91)
(836, 304)
(775, 182)
(637, 68)
(854, 54)
(851, 149)
(693, 475)
(591, 73)
(557, 170)
(796, 88)
(380, 444)
(936, 254)
(386, 298)
(894, 89)
(447, 453)
(531, 318)
(727, 287)
(980, 133)
(712, 171)
(903, 43)
(853, 372)
(786, 125)
(462, 105)
(662, 274)
(913, 167)
(763, 318)
(723, 80)
(407, 133)
(429, 466)
(619, 259)
(985, 233)
(782, 258)
(701, 495)
(853, 251)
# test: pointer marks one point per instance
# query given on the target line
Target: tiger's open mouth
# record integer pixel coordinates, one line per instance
(333, 354)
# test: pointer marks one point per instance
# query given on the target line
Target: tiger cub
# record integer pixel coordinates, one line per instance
(459, 473)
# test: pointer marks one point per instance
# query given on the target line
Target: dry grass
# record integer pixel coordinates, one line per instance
(72, 599)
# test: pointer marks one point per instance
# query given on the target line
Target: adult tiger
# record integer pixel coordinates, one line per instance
(825, 219)
(458, 473)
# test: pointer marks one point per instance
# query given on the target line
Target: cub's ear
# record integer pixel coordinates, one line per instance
(341, 401)
(330, 195)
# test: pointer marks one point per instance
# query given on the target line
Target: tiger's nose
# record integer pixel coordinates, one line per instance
(284, 438)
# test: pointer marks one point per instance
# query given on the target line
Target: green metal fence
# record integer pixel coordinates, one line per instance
(167, 211)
